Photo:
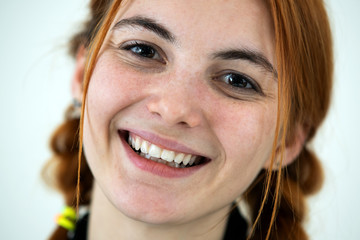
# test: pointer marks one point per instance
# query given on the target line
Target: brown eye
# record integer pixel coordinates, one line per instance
(143, 51)
(238, 81)
(236, 84)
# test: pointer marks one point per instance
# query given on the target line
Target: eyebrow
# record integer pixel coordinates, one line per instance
(252, 56)
(147, 23)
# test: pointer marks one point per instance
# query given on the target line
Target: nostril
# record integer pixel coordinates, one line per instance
(156, 114)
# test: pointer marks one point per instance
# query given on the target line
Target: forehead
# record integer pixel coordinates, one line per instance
(210, 23)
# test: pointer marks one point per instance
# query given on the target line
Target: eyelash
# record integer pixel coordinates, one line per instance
(136, 48)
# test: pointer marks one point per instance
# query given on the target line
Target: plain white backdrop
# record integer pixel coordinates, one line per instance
(35, 74)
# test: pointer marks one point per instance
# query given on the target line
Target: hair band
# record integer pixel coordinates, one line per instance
(67, 219)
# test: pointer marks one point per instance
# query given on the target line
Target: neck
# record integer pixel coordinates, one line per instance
(107, 222)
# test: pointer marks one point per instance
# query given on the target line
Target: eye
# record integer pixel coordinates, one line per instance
(143, 50)
(238, 81)
(237, 84)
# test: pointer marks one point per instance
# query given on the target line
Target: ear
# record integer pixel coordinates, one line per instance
(293, 147)
(77, 80)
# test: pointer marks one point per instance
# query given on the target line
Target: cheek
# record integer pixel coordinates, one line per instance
(246, 133)
(111, 89)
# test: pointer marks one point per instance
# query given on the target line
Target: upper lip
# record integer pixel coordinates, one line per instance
(163, 142)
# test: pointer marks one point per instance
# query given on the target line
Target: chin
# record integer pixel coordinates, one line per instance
(151, 208)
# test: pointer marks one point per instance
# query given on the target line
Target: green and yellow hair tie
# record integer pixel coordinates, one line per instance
(67, 219)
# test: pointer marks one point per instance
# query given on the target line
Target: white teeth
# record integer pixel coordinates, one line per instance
(157, 154)
(187, 159)
(137, 144)
(144, 147)
(168, 155)
(192, 160)
(133, 142)
(179, 158)
(155, 151)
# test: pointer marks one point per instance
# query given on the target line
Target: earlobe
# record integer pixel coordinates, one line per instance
(292, 149)
(77, 79)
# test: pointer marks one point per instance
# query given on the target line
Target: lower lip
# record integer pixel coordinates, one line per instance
(155, 167)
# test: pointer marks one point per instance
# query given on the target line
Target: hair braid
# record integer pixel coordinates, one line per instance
(300, 179)
(61, 171)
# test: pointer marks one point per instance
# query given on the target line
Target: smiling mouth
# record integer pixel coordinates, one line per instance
(161, 155)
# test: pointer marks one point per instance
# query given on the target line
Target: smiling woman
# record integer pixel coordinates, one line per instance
(189, 109)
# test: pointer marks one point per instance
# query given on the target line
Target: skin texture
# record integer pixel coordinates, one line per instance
(179, 95)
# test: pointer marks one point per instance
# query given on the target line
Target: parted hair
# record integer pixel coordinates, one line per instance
(276, 198)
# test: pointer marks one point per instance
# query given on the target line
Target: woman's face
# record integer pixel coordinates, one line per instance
(186, 81)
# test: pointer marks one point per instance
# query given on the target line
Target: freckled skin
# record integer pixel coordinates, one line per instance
(179, 101)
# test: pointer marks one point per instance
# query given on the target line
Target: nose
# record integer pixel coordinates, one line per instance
(176, 104)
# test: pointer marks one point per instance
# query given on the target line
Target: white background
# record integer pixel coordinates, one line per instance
(35, 75)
